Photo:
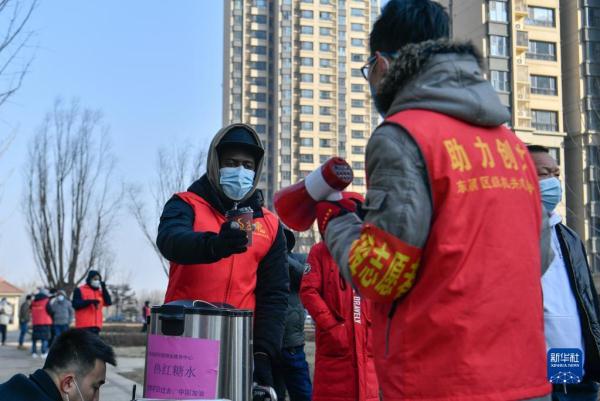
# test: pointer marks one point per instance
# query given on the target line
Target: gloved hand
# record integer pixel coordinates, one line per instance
(94, 302)
(229, 241)
(328, 210)
(263, 393)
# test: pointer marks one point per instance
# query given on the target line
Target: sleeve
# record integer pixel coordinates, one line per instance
(177, 240)
(106, 296)
(272, 290)
(546, 252)
(78, 301)
(311, 292)
(398, 211)
(71, 313)
(296, 264)
(50, 309)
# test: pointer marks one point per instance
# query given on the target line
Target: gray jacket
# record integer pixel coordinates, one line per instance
(435, 75)
(295, 314)
(61, 311)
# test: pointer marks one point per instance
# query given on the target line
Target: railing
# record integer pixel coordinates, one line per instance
(541, 56)
(544, 91)
(545, 126)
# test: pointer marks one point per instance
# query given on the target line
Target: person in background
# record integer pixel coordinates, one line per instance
(571, 311)
(292, 370)
(24, 318)
(145, 315)
(61, 310)
(41, 322)
(89, 301)
(74, 371)
(344, 364)
(6, 312)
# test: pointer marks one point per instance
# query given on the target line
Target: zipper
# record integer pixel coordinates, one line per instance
(228, 289)
(388, 328)
(571, 272)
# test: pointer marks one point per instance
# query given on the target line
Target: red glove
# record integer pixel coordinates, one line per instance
(328, 210)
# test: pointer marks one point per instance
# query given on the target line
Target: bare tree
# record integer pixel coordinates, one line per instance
(14, 15)
(176, 169)
(69, 202)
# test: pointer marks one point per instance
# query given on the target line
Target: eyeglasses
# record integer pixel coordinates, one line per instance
(371, 61)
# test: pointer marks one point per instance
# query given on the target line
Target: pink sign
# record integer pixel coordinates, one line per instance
(181, 367)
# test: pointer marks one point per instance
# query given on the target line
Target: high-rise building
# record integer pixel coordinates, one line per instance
(580, 30)
(292, 70)
(520, 43)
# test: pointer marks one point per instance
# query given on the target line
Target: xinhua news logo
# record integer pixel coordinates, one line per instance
(565, 365)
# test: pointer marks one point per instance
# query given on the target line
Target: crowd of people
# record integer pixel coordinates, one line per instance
(449, 280)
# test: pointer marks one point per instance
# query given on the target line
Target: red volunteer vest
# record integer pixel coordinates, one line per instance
(39, 316)
(471, 328)
(230, 280)
(90, 316)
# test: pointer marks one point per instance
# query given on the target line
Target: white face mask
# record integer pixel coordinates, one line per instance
(95, 283)
(61, 298)
(78, 391)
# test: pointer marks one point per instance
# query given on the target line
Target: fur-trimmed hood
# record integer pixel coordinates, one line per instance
(441, 76)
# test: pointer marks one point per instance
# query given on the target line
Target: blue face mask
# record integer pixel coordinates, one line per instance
(236, 182)
(551, 192)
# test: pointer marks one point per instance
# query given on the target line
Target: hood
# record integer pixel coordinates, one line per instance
(444, 77)
(91, 274)
(39, 296)
(212, 163)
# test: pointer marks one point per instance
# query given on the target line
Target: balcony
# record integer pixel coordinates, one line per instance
(520, 8)
(522, 42)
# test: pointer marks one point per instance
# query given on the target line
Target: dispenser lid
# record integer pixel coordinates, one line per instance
(199, 307)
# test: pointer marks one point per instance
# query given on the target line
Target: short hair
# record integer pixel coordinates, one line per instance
(408, 21)
(78, 350)
(537, 149)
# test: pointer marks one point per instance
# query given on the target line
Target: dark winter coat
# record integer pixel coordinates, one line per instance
(295, 315)
(586, 296)
(37, 387)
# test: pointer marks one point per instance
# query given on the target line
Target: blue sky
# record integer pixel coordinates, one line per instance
(156, 73)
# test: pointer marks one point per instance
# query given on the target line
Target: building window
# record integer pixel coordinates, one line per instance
(286, 142)
(308, 30)
(357, 27)
(325, 94)
(306, 1)
(260, 128)
(327, 16)
(306, 125)
(306, 14)
(258, 34)
(306, 77)
(325, 143)
(593, 17)
(539, 50)
(306, 142)
(259, 3)
(306, 61)
(357, 12)
(261, 113)
(258, 97)
(306, 93)
(498, 46)
(356, 72)
(358, 150)
(259, 19)
(258, 65)
(325, 62)
(325, 127)
(326, 2)
(358, 165)
(357, 42)
(306, 158)
(323, 158)
(258, 81)
(325, 47)
(325, 111)
(498, 11)
(500, 81)
(305, 45)
(305, 109)
(357, 57)
(258, 49)
(357, 88)
(325, 79)
(286, 175)
(544, 120)
(555, 153)
(237, 35)
(326, 31)
(357, 118)
(356, 134)
(358, 181)
(541, 16)
(543, 85)
(358, 103)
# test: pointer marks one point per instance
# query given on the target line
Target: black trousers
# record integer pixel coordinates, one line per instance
(3, 333)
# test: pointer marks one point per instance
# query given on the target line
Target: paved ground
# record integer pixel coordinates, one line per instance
(117, 388)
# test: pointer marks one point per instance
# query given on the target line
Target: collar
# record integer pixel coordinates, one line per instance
(46, 384)
(554, 218)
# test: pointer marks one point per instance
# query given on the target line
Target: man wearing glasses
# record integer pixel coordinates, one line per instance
(448, 240)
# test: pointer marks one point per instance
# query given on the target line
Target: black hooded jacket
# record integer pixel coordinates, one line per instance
(79, 303)
(37, 387)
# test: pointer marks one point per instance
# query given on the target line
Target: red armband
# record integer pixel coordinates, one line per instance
(383, 267)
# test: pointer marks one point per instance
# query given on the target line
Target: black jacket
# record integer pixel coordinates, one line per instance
(295, 315)
(179, 243)
(37, 387)
(582, 285)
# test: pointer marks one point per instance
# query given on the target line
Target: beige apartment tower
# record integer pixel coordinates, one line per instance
(292, 70)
